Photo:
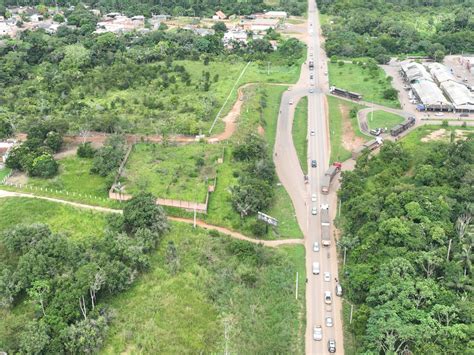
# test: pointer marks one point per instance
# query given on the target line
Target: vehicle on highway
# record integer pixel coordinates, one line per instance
(317, 333)
(311, 77)
(327, 276)
(290, 102)
(314, 198)
(311, 90)
(331, 345)
(314, 211)
(327, 294)
(316, 270)
(338, 290)
(306, 179)
(315, 246)
(314, 164)
(312, 132)
(329, 322)
(325, 73)
(464, 115)
(439, 114)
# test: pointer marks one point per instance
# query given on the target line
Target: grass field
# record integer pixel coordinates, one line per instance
(222, 285)
(383, 119)
(300, 133)
(78, 223)
(344, 131)
(74, 176)
(4, 172)
(181, 172)
(355, 78)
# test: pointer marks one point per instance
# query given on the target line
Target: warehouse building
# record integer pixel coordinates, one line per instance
(460, 96)
(430, 96)
(415, 71)
(440, 73)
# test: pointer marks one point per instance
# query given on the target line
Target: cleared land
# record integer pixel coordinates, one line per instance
(383, 119)
(177, 172)
(300, 133)
(344, 131)
(354, 77)
(221, 285)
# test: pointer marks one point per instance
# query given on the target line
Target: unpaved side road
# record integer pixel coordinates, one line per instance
(199, 223)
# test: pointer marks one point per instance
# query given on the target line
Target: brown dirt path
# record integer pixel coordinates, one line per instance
(199, 223)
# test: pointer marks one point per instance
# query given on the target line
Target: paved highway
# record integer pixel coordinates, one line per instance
(292, 178)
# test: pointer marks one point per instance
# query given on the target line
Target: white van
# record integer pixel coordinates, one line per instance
(316, 268)
(338, 290)
(327, 297)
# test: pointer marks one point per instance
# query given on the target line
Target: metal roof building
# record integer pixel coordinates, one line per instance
(431, 96)
(415, 71)
(460, 96)
(440, 72)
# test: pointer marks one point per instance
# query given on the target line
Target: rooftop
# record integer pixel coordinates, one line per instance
(459, 94)
(429, 93)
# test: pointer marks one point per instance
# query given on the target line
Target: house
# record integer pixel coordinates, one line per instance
(260, 24)
(219, 16)
(36, 18)
(234, 35)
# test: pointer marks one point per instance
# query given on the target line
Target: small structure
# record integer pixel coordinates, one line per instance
(260, 24)
(219, 15)
(235, 35)
(5, 148)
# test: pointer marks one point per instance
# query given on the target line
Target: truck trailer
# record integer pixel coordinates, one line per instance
(328, 176)
(325, 226)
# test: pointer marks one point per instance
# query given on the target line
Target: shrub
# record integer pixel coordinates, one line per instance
(43, 166)
(258, 229)
(390, 94)
(85, 150)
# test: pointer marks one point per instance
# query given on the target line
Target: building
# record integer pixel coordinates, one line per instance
(459, 95)
(234, 35)
(219, 16)
(414, 71)
(260, 24)
(5, 148)
(440, 73)
(275, 14)
(430, 96)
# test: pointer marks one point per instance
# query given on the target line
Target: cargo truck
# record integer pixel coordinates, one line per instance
(325, 226)
(311, 64)
(328, 176)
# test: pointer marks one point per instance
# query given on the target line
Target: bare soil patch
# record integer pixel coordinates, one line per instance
(444, 135)
(350, 141)
(18, 178)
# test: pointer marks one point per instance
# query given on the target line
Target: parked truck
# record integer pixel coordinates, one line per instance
(395, 131)
(311, 64)
(328, 176)
(370, 145)
(325, 226)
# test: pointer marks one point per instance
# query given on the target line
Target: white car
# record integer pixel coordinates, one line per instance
(329, 322)
(316, 268)
(290, 102)
(439, 114)
(327, 276)
(314, 198)
(312, 132)
(315, 246)
(327, 297)
(314, 211)
(317, 333)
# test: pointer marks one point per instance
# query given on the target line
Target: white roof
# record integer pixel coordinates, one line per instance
(459, 94)
(429, 93)
(440, 72)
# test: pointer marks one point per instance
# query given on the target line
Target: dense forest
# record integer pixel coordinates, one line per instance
(67, 76)
(379, 29)
(406, 231)
(201, 8)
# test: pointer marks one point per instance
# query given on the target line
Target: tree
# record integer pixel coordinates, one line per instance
(35, 338)
(143, 212)
(109, 157)
(390, 94)
(43, 166)
(220, 27)
(85, 336)
(39, 292)
(6, 129)
(85, 150)
(54, 141)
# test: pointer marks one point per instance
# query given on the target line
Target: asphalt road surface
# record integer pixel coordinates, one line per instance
(291, 176)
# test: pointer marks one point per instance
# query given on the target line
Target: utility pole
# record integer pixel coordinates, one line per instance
(194, 223)
(449, 250)
(350, 318)
(345, 252)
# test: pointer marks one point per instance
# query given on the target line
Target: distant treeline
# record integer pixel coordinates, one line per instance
(380, 29)
(173, 7)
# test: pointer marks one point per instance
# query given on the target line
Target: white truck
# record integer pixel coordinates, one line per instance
(325, 226)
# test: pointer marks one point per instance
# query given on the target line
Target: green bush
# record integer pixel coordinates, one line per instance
(85, 150)
(43, 166)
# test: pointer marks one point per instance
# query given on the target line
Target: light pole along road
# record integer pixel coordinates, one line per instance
(291, 176)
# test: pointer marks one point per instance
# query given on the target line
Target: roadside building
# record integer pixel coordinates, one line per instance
(440, 73)
(459, 95)
(430, 96)
(414, 71)
(234, 35)
(219, 16)
(275, 14)
(260, 24)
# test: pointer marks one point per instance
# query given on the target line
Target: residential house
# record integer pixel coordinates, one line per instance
(219, 16)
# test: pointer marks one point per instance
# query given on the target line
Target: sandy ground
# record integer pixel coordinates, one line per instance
(350, 141)
(444, 135)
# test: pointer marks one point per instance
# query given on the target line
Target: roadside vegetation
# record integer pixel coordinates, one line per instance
(391, 28)
(406, 221)
(194, 289)
(365, 78)
(300, 133)
(383, 119)
(344, 131)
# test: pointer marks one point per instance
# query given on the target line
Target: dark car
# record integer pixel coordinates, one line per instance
(331, 345)
(314, 164)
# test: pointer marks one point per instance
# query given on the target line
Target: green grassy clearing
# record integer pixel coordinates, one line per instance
(300, 133)
(181, 172)
(383, 119)
(220, 281)
(78, 223)
(355, 78)
(338, 113)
